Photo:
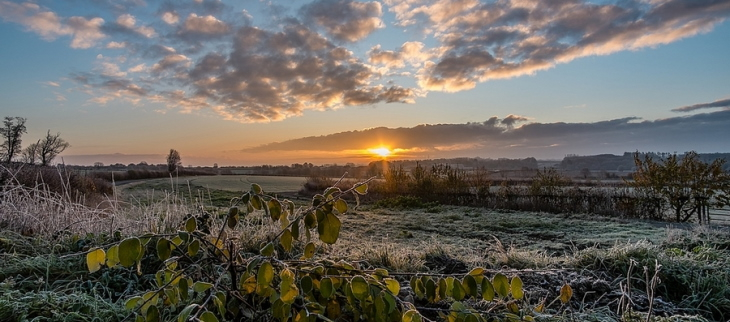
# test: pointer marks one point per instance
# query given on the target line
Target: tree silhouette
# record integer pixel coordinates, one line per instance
(12, 131)
(173, 160)
(50, 147)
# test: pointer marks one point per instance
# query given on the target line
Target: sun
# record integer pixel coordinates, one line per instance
(382, 152)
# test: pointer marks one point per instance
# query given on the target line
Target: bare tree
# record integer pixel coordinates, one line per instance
(12, 131)
(50, 147)
(30, 153)
(173, 160)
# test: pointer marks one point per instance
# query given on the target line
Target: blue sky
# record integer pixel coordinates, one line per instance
(323, 81)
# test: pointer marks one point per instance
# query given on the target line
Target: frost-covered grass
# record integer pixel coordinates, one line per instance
(43, 236)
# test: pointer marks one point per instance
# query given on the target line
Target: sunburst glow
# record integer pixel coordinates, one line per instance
(382, 152)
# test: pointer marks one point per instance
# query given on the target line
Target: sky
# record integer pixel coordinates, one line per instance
(281, 82)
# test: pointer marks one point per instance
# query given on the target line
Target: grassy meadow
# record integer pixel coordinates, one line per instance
(44, 237)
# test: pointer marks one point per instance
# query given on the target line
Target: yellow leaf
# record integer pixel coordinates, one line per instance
(130, 251)
(191, 225)
(392, 285)
(360, 288)
(112, 256)
(501, 285)
(341, 206)
(309, 250)
(329, 228)
(566, 292)
(94, 259)
(265, 274)
(193, 248)
(163, 249)
(516, 288)
(286, 240)
(362, 189)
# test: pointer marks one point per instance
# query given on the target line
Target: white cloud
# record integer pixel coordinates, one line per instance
(116, 45)
(170, 17)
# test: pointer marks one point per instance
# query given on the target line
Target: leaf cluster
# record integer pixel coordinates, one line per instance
(205, 276)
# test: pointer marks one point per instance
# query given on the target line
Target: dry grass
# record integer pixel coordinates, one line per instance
(436, 240)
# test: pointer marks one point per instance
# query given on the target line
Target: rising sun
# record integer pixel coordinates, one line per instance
(382, 152)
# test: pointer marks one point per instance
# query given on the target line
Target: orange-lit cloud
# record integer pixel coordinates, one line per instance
(497, 138)
(323, 54)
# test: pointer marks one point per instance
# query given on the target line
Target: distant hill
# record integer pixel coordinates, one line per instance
(468, 163)
(625, 162)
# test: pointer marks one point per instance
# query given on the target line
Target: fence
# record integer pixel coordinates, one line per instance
(720, 216)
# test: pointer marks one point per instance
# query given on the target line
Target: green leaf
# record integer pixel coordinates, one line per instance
(153, 314)
(411, 316)
(131, 303)
(442, 288)
(184, 236)
(458, 293)
(130, 251)
(310, 220)
(191, 225)
(286, 240)
(360, 288)
(330, 191)
(185, 313)
(220, 302)
(362, 189)
(516, 288)
(431, 290)
(232, 220)
(201, 287)
(380, 273)
(274, 209)
(208, 316)
(265, 274)
(295, 230)
(268, 250)
(566, 292)
(112, 256)
(309, 250)
(501, 285)
(392, 285)
(389, 301)
(173, 295)
(470, 285)
(326, 288)
(255, 188)
(329, 228)
(341, 206)
(163, 249)
(487, 290)
(94, 259)
(306, 283)
(193, 248)
(256, 202)
(183, 286)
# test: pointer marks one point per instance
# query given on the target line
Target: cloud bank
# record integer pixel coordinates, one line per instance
(725, 103)
(282, 59)
(497, 138)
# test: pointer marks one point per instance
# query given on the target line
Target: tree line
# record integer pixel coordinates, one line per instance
(42, 152)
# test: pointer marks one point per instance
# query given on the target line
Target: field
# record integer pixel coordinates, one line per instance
(42, 252)
(210, 190)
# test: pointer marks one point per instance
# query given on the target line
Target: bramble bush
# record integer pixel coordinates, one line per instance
(203, 274)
